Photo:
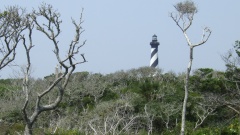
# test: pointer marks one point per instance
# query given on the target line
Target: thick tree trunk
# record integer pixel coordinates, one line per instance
(186, 92)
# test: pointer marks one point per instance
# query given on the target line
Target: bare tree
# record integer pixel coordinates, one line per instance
(12, 24)
(230, 98)
(205, 108)
(51, 29)
(183, 19)
(119, 118)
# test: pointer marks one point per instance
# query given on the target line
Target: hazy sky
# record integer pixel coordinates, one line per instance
(118, 33)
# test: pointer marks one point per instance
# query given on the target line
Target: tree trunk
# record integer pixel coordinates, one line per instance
(186, 92)
(28, 129)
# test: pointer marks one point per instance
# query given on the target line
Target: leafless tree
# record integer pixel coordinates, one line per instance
(183, 19)
(167, 111)
(51, 30)
(119, 118)
(205, 107)
(12, 24)
(150, 118)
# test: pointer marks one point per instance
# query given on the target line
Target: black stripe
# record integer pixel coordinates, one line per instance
(154, 52)
(155, 63)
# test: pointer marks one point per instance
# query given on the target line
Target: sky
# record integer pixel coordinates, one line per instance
(119, 32)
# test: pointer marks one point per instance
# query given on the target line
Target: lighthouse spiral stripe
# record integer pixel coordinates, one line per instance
(154, 57)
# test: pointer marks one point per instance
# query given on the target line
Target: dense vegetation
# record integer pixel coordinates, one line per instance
(137, 101)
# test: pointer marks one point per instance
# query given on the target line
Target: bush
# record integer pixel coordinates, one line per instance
(13, 117)
(109, 95)
(232, 129)
(7, 129)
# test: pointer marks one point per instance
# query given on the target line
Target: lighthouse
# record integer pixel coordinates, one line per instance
(154, 52)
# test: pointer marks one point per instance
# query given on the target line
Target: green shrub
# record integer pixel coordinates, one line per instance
(232, 129)
(11, 129)
(13, 117)
(109, 95)
(207, 131)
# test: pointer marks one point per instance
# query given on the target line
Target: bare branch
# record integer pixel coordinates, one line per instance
(176, 19)
(12, 24)
(238, 112)
(204, 37)
(25, 84)
(203, 111)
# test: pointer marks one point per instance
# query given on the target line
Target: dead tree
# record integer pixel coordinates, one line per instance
(12, 24)
(51, 30)
(183, 19)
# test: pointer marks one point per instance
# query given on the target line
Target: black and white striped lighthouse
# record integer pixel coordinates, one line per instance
(154, 52)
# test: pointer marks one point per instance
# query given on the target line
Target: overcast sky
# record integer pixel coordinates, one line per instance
(118, 33)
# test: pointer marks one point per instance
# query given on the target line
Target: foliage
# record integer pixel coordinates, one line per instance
(186, 7)
(109, 95)
(13, 117)
(232, 129)
(3, 87)
(207, 80)
(11, 129)
(237, 47)
(143, 101)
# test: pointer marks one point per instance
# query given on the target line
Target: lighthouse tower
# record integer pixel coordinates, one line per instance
(154, 52)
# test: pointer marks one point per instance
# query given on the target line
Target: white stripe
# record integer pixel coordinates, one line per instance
(154, 58)
(152, 49)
